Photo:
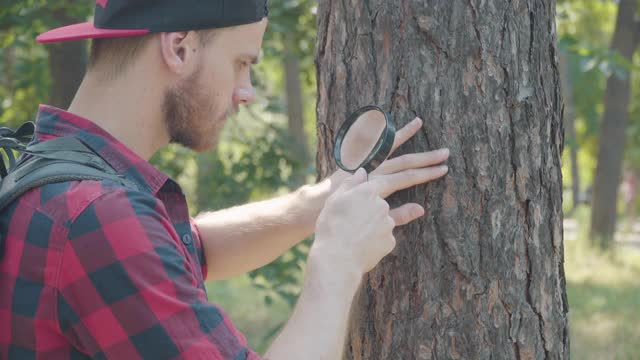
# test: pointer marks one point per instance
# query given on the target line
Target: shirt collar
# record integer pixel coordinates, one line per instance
(53, 122)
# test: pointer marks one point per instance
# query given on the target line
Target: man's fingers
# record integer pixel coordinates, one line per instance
(406, 213)
(413, 161)
(385, 185)
(406, 133)
(352, 181)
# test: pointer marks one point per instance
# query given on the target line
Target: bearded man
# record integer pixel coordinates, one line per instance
(96, 270)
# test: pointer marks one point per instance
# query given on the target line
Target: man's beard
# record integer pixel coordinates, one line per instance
(187, 114)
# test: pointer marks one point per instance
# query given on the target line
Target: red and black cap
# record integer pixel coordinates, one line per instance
(124, 18)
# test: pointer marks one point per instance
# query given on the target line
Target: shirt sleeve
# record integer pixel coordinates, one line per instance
(127, 288)
(200, 248)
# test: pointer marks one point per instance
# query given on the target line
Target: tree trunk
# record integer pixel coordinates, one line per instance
(631, 197)
(614, 119)
(295, 106)
(481, 276)
(633, 206)
(67, 65)
(570, 126)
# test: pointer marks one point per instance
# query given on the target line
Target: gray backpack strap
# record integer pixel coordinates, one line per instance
(54, 161)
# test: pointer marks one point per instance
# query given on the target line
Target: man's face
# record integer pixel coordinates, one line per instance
(197, 108)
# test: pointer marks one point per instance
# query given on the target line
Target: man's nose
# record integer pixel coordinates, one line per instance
(244, 95)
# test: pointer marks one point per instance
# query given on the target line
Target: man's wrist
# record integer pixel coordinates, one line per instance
(324, 188)
(324, 277)
(310, 199)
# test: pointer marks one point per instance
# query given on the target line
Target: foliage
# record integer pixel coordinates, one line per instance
(292, 27)
(24, 72)
(632, 145)
(252, 162)
(585, 28)
(253, 317)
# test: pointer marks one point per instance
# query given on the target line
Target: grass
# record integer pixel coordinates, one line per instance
(604, 299)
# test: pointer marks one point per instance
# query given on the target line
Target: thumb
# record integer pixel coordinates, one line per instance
(354, 180)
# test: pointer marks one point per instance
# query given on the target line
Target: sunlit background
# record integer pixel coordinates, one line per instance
(269, 148)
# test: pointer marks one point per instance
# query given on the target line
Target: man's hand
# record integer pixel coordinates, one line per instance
(355, 228)
(414, 166)
(354, 232)
(246, 237)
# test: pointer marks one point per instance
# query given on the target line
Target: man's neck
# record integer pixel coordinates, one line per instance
(129, 108)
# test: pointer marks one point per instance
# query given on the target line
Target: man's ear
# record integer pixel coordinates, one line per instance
(178, 50)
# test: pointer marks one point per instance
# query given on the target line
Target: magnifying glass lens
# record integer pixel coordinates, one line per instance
(361, 139)
(364, 140)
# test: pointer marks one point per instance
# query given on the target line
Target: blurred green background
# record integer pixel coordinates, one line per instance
(269, 149)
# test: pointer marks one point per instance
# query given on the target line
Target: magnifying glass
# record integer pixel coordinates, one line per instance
(364, 140)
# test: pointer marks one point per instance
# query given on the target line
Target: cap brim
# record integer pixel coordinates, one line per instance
(86, 31)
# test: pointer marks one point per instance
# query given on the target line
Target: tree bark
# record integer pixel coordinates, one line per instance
(481, 276)
(570, 126)
(612, 138)
(67, 65)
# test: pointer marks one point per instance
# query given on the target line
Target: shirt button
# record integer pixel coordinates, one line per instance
(186, 239)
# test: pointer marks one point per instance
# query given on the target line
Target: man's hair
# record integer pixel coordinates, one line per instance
(112, 56)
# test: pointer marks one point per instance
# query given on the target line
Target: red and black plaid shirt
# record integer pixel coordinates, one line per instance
(95, 270)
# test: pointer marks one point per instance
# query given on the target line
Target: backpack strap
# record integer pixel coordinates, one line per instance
(58, 160)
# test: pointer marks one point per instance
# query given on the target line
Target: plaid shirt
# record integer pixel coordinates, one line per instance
(95, 270)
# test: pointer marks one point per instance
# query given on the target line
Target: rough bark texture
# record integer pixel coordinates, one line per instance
(614, 121)
(67, 65)
(481, 275)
